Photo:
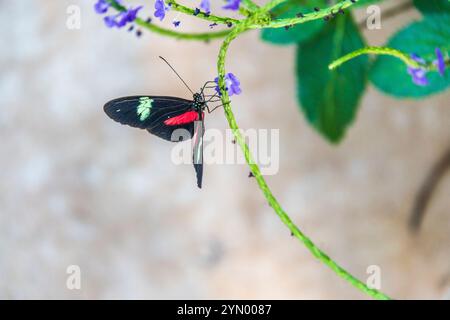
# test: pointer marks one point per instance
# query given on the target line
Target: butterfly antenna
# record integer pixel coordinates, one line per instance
(177, 74)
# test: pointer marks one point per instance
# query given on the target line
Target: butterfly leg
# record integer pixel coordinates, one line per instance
(211, 110)
(205, 86)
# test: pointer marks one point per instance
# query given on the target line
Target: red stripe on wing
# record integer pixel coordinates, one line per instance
(183, 118)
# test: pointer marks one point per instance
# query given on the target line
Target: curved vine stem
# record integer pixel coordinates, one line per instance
(205, 36)
(319, 254)
(377, 51)
(202, 15)
(306, 17)
(259, 18)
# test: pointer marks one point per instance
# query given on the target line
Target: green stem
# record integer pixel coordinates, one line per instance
(202, 15)
(319, 254)
(260, 18)
(406, 58)
(322, 13)
(182, 35)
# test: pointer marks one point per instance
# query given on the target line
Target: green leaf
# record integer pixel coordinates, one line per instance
(329, 99)
(390, 75)
(361, 3)
(297, 33)
(432, 6)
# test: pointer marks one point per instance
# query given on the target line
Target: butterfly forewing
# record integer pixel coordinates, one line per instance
(154, 113)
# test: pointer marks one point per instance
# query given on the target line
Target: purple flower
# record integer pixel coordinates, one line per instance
(419, 75)
(122, 18)
(160, 9)
(176, 23)
(439, 62)
(232, 5)
(231, 83)
(110, 21)
(101, 6)
(205, 5)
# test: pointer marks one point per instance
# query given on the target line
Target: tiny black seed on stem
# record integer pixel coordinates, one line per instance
(250, 174)
(300, 15)
(316, 9)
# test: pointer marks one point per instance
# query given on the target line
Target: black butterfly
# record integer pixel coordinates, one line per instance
(173, 119)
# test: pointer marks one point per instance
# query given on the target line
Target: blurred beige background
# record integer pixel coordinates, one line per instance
(78, 189)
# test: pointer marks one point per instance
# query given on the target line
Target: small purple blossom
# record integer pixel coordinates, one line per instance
(205, 5)
(232, 5)
(232, 84)
(101, 6)
(160, 9)
(419, 75)
(176, 23)
(122, 18)
(439, 62)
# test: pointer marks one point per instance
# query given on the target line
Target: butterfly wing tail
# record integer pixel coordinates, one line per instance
(199, 172)
(197, 152)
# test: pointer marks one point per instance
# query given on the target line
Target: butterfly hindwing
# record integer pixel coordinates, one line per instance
(153, 113)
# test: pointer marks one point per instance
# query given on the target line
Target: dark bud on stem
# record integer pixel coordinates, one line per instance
(250, 174)
(300, 15)
(316, 9)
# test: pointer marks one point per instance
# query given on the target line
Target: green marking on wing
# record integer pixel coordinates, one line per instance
(144, 107)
